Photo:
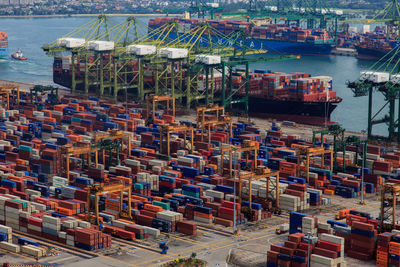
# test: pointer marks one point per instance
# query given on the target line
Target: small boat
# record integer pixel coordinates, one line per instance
(18, 55)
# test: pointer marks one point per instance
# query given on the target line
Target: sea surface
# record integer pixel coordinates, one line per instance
(29, 34)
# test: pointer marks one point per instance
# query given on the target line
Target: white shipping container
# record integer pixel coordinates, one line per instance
(317, 260)
(10, 247)
(208, 59)
(284, 227)
(51, 226)
(71, 42)
(333, 239)
(376, 77)
(101, 45)
(141, 50)
(5, 229)
(51, 220)
(366, 28)
(83, 224)
(174, 53)
(31, 250)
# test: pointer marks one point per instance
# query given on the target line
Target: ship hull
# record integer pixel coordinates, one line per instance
(272, 46)
(3, 52)
(301, 112)
(371, 54)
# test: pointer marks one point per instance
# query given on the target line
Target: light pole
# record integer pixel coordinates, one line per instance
(234, 199)
(309, 235)
(364, 144)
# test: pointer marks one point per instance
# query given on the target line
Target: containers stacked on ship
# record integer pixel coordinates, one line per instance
(3, 45)
(376, 44)
(289, 96)
(276, 38)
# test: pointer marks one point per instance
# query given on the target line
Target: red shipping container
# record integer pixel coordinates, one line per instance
(272, 256)
(325, 252)
(328, 246)
(362, 226)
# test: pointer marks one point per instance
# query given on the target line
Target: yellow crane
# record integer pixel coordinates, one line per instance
(153, 100)
(219, 118)
(309, 152)
(390, 194)
(247, 147)
(5, 91)
(114, 135)
(68, 150)
(272, 185)
(168, 129)
(98, 190)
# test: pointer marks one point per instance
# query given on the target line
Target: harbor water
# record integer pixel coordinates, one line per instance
(29, 34)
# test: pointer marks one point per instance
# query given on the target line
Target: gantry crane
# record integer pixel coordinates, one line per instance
(315, 13)
(152, 101)
(202, 9)
(6, 90)
(358, 143)
(98, 190)
(390, 15)
(390, 194)
(372, 81)
(218, 118)
(166, 130)
(106, 138)
(108, 72)
(272, 185)
(309, 152)
(338, 136)
(68, 150)
(247, 147)
(42, 90)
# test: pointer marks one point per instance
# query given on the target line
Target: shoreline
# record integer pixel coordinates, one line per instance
(89, 15)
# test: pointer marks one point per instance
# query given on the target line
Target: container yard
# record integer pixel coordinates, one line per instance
(160, 144)
(84, 179)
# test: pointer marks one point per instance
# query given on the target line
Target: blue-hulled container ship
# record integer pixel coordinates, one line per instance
(275, 38)
(3, 45)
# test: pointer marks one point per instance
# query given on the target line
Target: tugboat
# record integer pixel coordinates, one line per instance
(18, 55)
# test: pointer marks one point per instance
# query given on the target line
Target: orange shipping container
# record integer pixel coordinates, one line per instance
(151, 207)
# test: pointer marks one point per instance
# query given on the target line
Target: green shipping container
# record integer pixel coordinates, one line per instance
(138, 236)
(75, 119)
(191, 194)
(138, 186)
(163, 205)
(24, 205)
(25, 148)
(163, 157)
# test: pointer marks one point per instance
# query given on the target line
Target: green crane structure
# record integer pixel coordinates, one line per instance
(51, 91)
(98, 66)
(340, 142)
(353, 140)
(203, 9)
(383, 77)
(315, 13)
(111, 71)
(338, 136)
(390, 15)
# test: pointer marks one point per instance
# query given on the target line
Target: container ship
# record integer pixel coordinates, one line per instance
(375, 45)
(276, 38)
(296, 96)
(3, 45)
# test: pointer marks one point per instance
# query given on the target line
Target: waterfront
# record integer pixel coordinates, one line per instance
(29, 34)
